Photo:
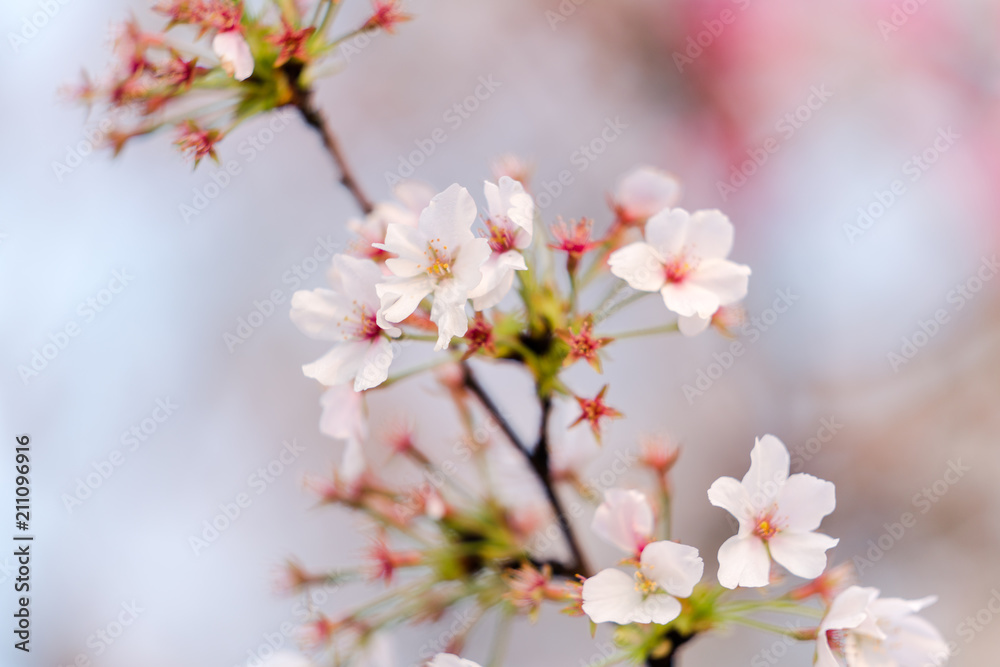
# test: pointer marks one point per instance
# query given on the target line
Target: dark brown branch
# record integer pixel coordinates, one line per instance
(676, 641)
(303, 101)
(538, 459)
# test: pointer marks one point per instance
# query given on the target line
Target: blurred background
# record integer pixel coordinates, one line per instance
(868, 211)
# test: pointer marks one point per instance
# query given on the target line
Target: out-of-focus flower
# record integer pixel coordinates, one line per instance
(412, 197)
(234, 54)
(383, 561)
(593, 410)
(726, 320)
(684, 259)
(778, 516)
(510, 225)
(450, 660)
(439, 257)
(386, 14)
(658, 454)
(644, 192)
(584, 345)
(343, 414)
(828, 585)
(667, 571)
(625, 519)
(513, 166)
(197, 142)
(479, 337)
(868, 631)
(282, 659)
(574, 239)
(317, 633)
(292, 42)
(347, 315)
(530, 587)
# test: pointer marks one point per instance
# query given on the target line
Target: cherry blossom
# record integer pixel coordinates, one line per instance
(510, 225)
(667, 571)
(644, 192)
(343, 415)
(347, 315)
(625, 519)
(684, 258)
(439, 257)
(411, 197)
(868, 631)
(234, 54)
(778, 515)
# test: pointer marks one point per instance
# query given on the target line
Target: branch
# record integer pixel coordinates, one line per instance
(302, 99)
(539, 461)
(676, 641)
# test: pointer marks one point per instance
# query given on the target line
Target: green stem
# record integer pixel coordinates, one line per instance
(651, 331)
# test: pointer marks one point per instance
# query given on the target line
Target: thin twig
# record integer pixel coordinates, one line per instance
(303, 101)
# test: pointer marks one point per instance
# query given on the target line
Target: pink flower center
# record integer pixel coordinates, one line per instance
(677, 269)
(501, 237)
(767, 526)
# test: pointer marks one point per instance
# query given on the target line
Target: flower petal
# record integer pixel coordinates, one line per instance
(323, 314)
(448, 312)
(802, 554)
(743, 561)
(657, 608)
(339, 365)
(645, 191)
(692, 325)
(710, 235)
(343, 413)
(675, 567)
(410, 245)
(401, 297)
(769, 463)
(234, 54)
(610, 595)
(688, 298)
(803, 502)
(468, 262)
(450, 660)
(624, 519)
(639, 265)
(667, 232)
(375, 365)
(727, 280)
(731, 495)
(449, 216)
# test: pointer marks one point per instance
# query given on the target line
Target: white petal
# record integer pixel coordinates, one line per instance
(675, 567)
(645, 191)
(339, 365)
(802, 554)
(917, 643)
(657, 608)
(768, 471)
(687, 298)
(375, 365)
(450, 660)
(448, 218)
(743, 561)
(234, 54)
(324, 315)
(448, 313)
(467, 267)
(639, 265)
(624, 519)
(282, 659)
(414, 195)
(726, 280)
(710, 235)
(509, 200)
(401, 297)
(849, 609)
(803, 502)
(667, 232)
(731, 496)
(356, 278)
(893, 608)
(353, 464)
(610, 595)
(343, 413)
(498, 278)
(411, 247)
(692, 325)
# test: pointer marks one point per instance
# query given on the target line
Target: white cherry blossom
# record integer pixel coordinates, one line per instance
(778, 515)
(869, 631)
(667, 571)
(343, 415)
(644, 192)
(510, 226)
(411, 197)
(347, 315)
(439, 257)
(683, 258)
(234, 54)
(625, 519)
